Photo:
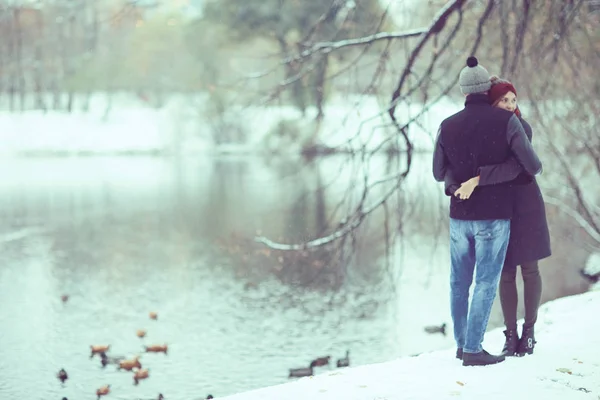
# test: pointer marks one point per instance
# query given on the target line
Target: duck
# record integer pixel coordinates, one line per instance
(64, 298)
(321, 361)
(62, 375)
(105, 360)
(344, 362)
(300, 372)
(157, 348)
(160, 397)
(592, 278)
(153, 315)
(141, 333)
(98, 348)
(436, 329)
(129, 365)
(210, 396)
(103, 391)
(139, 375)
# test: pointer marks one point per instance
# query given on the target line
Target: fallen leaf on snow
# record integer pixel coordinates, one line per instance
(565, 371)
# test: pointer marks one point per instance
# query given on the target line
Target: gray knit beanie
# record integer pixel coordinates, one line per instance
(474, 78)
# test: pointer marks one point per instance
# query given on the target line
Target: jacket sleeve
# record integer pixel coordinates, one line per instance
(451, 184)
(506, 171)
(439, 159)
(527, 128)
(500, 173)
(521, 147)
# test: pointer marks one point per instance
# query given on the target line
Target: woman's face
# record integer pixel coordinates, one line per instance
(507, 102)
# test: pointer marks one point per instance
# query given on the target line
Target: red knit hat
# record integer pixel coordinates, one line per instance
(499, 88)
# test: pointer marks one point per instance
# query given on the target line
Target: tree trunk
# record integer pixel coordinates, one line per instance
(108, 106)
(56, 94)
(3, 85)
(10, 60)
(291, 71)
(19, 57)
(37, 73)
(70, 97)
(91, 25)
(85, 105)
(11, 96)
(321, 76)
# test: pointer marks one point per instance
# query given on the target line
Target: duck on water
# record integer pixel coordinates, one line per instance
(300, 372)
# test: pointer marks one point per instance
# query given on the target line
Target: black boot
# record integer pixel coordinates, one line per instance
(481, 358)
(459, 353)
(512, 342)
(527, 342)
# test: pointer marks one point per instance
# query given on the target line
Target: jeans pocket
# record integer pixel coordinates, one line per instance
(491, 230)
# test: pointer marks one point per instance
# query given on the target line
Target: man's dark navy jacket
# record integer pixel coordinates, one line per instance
(476, 136)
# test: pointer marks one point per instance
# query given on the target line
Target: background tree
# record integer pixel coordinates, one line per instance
(293, 25)
(405, 55)
(549, 49)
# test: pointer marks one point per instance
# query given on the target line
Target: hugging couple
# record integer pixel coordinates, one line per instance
(484, 156)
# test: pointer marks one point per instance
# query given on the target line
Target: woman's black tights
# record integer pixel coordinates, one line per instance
(532, 291)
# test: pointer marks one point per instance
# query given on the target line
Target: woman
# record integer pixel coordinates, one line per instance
(529, 235)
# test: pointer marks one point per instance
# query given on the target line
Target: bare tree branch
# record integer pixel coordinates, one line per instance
(520, 35)
(589, 229)
(436, 26)
(326, 47)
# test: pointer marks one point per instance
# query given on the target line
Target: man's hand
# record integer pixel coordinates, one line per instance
(466, 188)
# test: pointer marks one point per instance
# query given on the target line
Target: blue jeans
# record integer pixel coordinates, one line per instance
(482, 244)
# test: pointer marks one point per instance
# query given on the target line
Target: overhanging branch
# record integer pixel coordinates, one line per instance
(326, 47)
(582, 222)
(436, 26)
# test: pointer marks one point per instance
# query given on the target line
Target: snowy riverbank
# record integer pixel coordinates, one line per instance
(566, 365)
(182, 124)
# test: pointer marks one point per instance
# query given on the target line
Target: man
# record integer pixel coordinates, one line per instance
(480, 226)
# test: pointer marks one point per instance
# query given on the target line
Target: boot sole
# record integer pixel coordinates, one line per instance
(480, 363)
(525, 353)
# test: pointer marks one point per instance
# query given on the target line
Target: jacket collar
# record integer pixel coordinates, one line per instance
(477, 98)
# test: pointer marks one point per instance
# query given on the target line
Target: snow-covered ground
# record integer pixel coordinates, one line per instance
(183, 124)
(592, 266)
(565, 366)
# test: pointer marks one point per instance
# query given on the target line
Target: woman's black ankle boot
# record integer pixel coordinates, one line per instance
(511, 344)
(527, 342)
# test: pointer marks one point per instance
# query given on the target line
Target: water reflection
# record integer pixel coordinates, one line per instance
(124, 237)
